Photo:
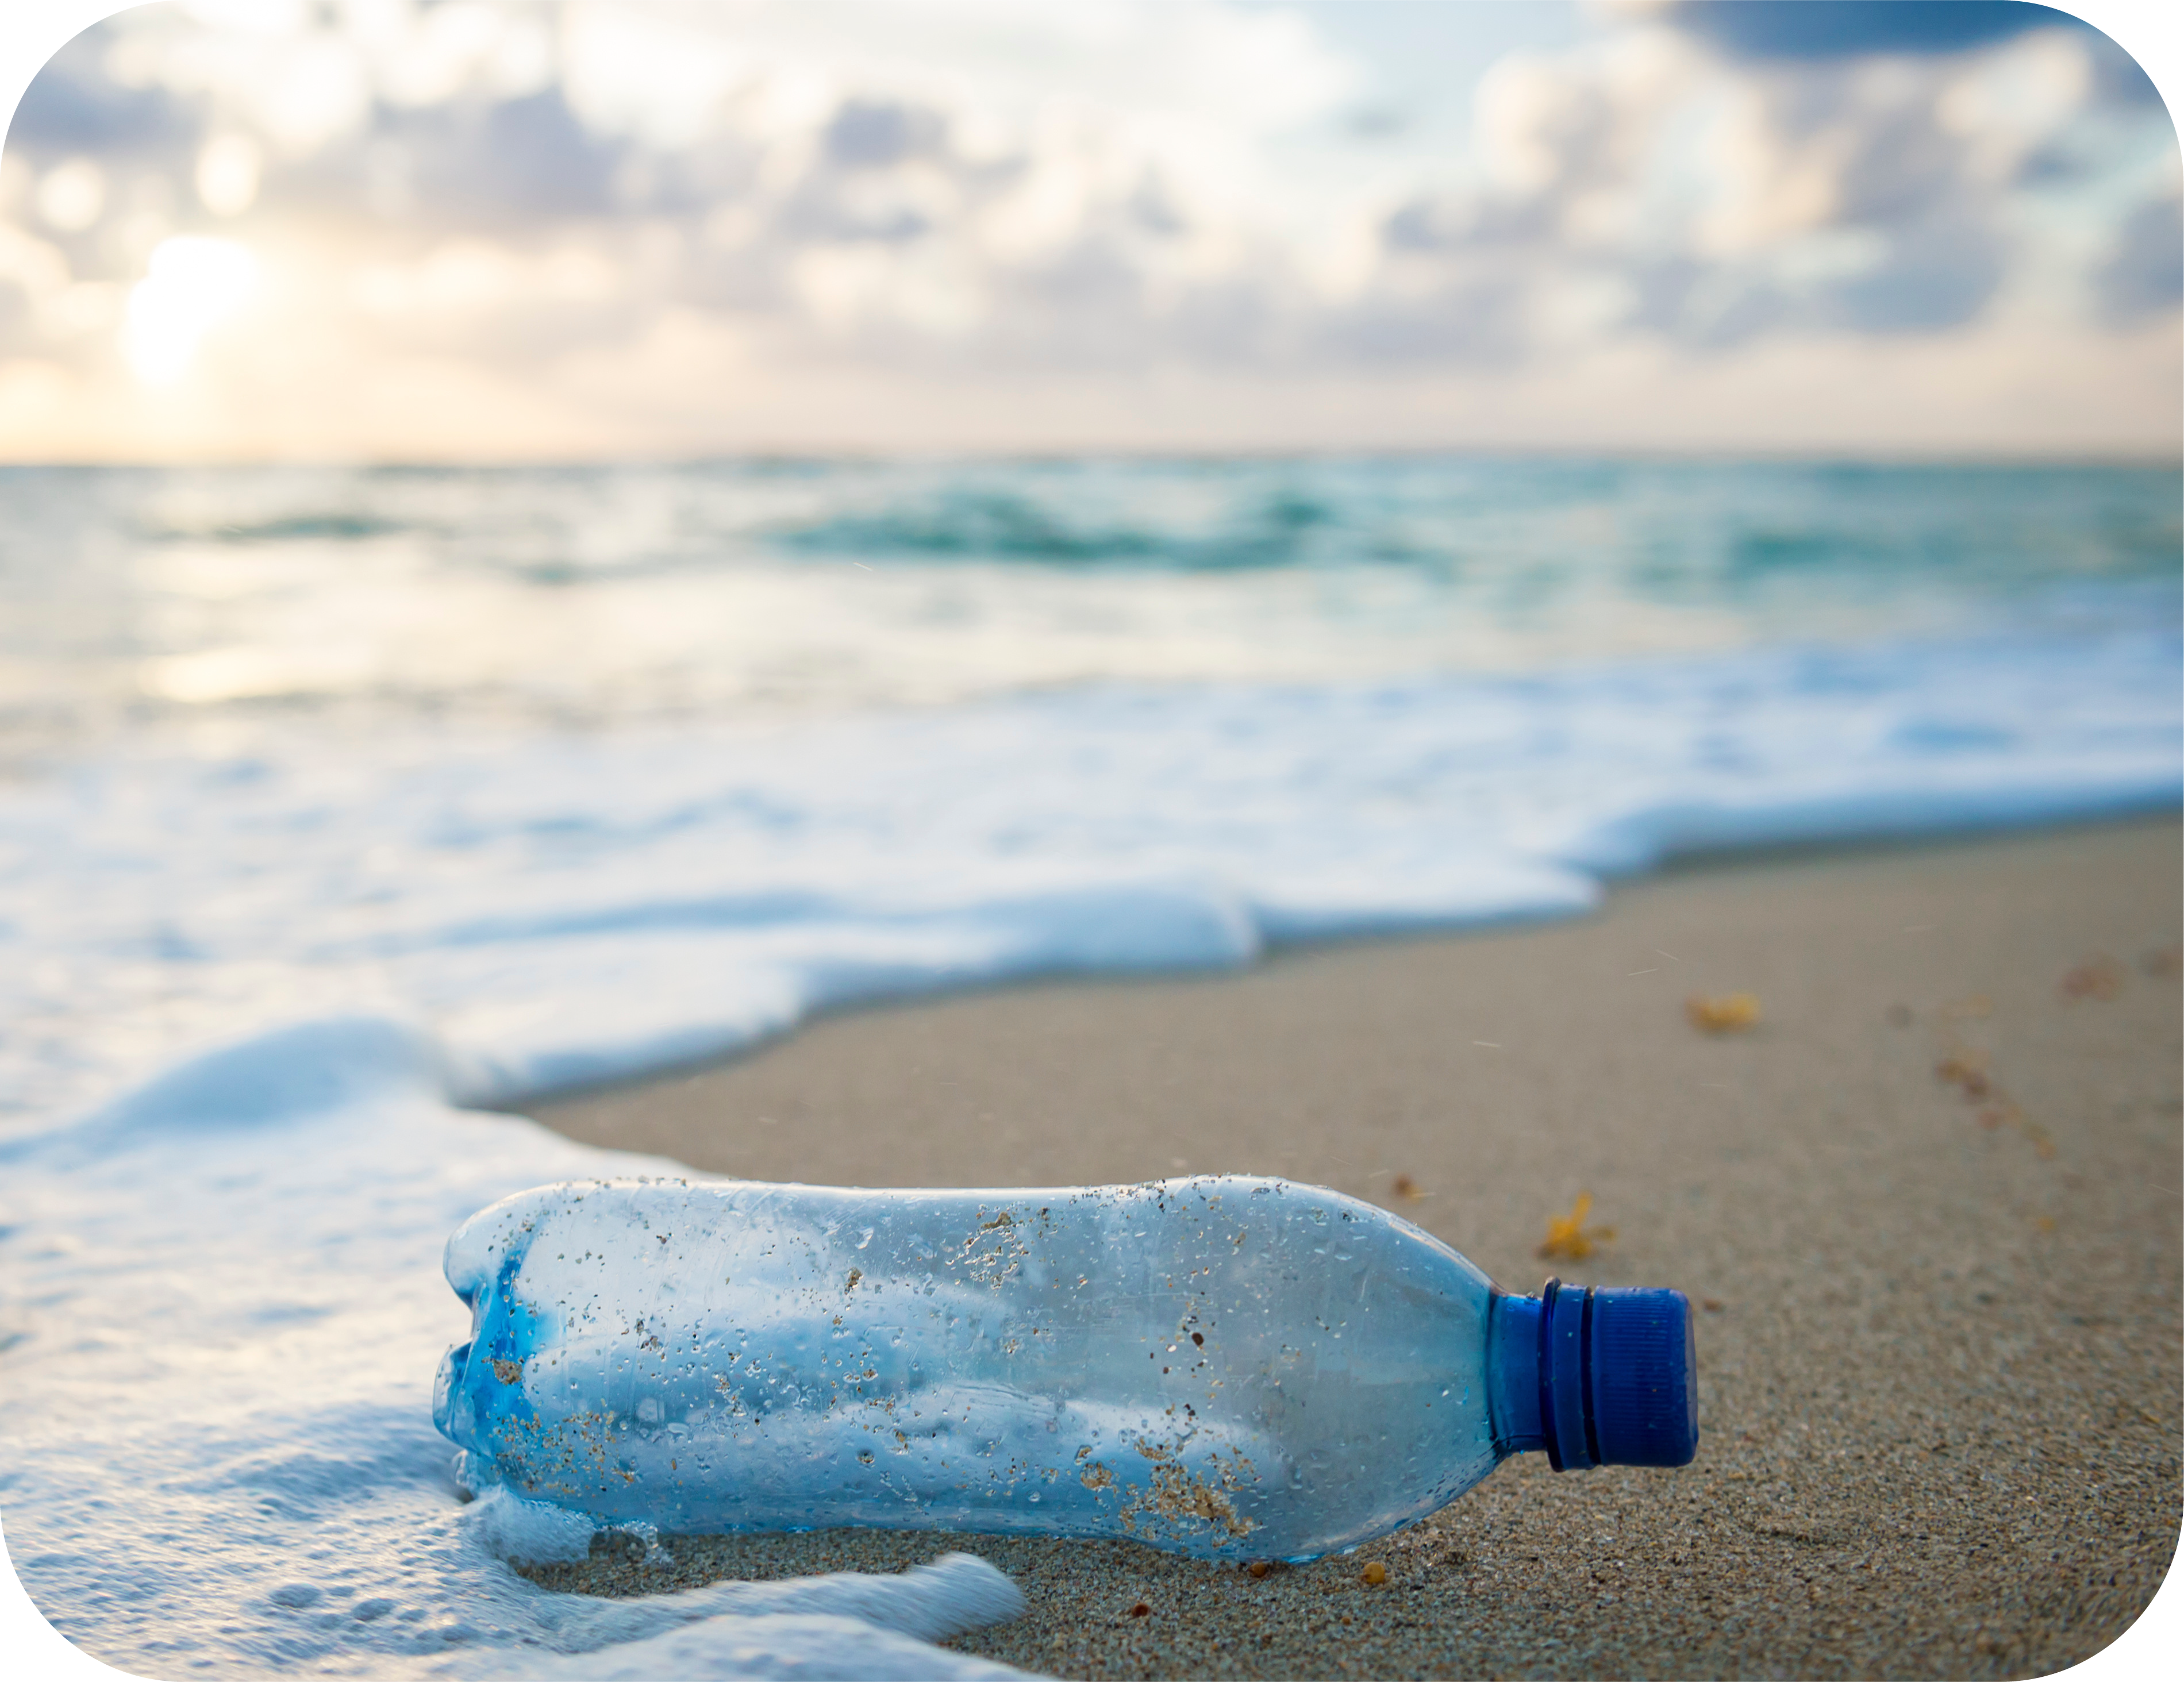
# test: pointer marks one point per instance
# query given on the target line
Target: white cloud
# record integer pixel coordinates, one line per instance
(36, 268)
(70, 198)
(1871, 194)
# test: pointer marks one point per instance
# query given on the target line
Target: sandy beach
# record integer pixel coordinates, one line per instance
(1930, 1204)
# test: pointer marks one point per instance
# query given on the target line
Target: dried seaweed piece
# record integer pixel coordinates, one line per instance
(1727, 1013)
(1567, 1237)
(2004, 1111)
(2100, 977)
(1967, 1070)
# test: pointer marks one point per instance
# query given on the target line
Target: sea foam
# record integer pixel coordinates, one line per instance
(560, 909)
(225, 1307)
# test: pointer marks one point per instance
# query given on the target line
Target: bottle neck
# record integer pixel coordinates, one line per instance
(1538, 1385)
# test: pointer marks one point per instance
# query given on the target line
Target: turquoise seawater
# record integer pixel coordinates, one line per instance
(608, 593)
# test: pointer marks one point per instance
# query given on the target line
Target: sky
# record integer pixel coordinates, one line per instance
(345, 230)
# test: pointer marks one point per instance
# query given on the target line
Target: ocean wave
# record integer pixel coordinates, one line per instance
(612, 594)
(563, 910)
(1274, 528)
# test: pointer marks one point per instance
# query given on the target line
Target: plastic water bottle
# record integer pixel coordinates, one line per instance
(1224, 1367)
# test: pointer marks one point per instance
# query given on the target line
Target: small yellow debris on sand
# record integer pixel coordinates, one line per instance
(1726, 1013)
(1567, 1237)
(1374, 1573)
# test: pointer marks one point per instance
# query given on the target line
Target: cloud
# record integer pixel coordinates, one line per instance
(2143, 275)
(1724, 200)
(1841, 29)
(520, 163)
(876, 134)
(73, 105)
(968, 188)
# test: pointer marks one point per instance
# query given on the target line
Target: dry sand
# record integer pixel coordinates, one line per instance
(1940, 1353)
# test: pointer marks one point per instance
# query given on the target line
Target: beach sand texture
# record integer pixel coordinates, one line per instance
(1940, 1336)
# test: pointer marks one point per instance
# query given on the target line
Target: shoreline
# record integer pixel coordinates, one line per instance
(1937, 1358)
(575, 1098)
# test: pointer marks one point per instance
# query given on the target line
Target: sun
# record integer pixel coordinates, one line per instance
(192, 284)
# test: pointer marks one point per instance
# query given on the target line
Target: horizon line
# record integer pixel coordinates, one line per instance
(879, 455)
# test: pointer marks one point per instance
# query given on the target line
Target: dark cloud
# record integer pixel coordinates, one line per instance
(1891, 160)
(820, 212)
(1817, 31)
(544, 162)
(1479, 319)
(1937, 274)
(1844, 29)
(2144, 274)
(522, 160)
(2056, 165)
(2119, 79)
(869, 134)
(74, 106)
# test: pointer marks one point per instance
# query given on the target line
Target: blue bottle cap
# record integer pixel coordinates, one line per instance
(1645, 1378)
(1618, 1377)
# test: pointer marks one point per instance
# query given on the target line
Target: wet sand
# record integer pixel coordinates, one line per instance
(1939, 1344)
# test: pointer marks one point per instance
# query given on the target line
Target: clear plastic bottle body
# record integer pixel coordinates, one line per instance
(1222, 1367)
